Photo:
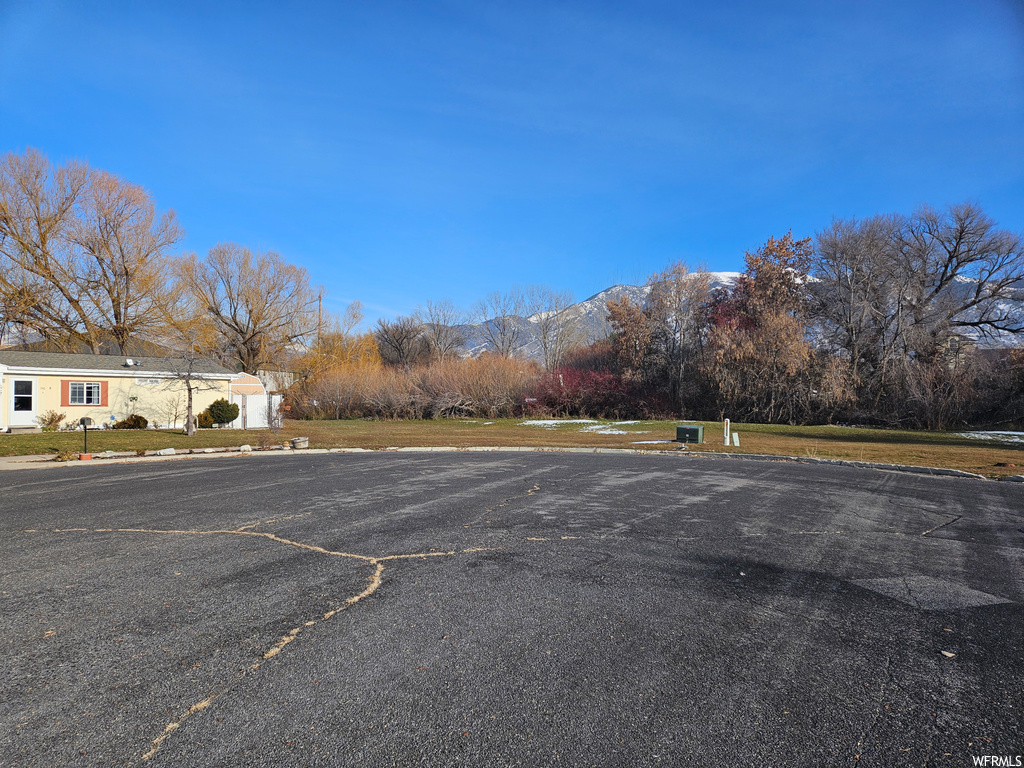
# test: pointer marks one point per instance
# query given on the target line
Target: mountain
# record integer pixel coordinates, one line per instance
(591, 313)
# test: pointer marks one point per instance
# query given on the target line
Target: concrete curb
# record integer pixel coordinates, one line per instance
(44, 462)
(935, 471)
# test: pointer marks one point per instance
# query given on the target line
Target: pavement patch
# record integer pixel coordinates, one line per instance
(930, 594)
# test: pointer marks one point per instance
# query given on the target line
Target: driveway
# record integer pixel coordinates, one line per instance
(508, 609)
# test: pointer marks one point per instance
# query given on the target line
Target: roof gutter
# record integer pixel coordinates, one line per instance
(134, 374)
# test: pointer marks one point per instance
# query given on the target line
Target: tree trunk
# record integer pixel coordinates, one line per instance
(190, 422)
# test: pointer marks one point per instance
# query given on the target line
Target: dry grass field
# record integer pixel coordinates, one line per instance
(933, 449)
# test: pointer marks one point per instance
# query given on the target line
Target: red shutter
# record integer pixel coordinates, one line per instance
(65, 394)
(103, 394)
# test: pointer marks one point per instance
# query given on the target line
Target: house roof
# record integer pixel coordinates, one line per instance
(64, 361)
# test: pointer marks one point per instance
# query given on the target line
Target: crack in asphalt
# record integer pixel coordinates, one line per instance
(910, 594)
(880, 705)
(258, 523)
(375, 581)
(942, 525)
(503, 503)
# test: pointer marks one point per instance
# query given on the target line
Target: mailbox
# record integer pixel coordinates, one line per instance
(86, 422)
(690, 433)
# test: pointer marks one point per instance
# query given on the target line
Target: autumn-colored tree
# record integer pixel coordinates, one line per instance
(599, 357)
(774, 279)
(763, 365)
(663, 342)
(339, 346)
(761, 373)
(632, 329)
(126, 245)
(83, 254)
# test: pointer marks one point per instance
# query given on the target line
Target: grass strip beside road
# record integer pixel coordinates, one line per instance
(918, 448)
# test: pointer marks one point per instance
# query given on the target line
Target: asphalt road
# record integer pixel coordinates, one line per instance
(558, 610)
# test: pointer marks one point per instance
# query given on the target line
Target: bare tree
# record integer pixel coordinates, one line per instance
(675, 305)
(172, 409)
(84, 253)
(125, 245)
(556, 330)
(897, 295)
(443, 329)
(851, 294)
(12, 330)
(347, 321)
(972, 269)
(191, 364)
(190, 368)
(401, 341)
(258, 306)
(502, 322)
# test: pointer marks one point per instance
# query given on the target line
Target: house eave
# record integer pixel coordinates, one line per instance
(99, 373)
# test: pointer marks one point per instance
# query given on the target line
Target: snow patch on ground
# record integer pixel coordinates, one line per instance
(593, 426)
(1002, 436)
(549, 423)
(610, 429)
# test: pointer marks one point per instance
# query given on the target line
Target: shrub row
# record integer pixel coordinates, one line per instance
(491, 387)
(486, 387)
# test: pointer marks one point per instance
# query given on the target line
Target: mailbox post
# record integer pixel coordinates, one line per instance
(85, 421)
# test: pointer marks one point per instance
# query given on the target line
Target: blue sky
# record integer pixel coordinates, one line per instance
(411, 151)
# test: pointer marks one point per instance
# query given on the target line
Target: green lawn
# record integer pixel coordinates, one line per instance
(936, 449)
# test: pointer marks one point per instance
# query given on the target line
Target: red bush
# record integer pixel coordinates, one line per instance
(569, 391)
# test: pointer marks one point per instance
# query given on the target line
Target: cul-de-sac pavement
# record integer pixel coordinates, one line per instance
(508, 609)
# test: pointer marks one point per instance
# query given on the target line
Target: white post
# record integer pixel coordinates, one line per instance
(725, 438)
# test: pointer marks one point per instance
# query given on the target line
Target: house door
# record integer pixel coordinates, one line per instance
(23, 403)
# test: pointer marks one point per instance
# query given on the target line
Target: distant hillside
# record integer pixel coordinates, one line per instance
(592, 314)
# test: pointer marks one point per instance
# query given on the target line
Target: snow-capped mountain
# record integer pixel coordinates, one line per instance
(591, 314)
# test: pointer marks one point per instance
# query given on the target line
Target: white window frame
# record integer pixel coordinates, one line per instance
(88, 388)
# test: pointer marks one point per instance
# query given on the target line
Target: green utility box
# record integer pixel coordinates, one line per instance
(690, 433)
